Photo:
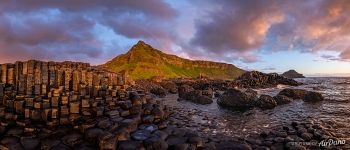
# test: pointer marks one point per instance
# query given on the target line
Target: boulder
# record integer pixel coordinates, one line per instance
(155, 142)
(281, 99)
(293, 93)
(184, 90)
(159, 91)
(307, 96)
(30, 143)
(187, 92)
(265, 102)
(313, 97)
(169, 86)
(236, 100)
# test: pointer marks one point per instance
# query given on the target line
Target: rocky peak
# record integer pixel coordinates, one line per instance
(292, 74)
(140, 45)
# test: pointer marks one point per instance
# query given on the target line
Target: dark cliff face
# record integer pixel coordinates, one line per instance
(292, 74)
(143, 61)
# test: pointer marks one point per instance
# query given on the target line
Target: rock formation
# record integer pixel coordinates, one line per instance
(255, 79)
(292, 74)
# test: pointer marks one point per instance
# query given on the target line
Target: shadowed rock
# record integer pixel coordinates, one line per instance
(236, 100)
(265, 102)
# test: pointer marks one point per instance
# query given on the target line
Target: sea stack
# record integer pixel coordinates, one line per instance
(292, 74)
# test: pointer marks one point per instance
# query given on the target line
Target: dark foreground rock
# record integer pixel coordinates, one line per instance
(307, 96)
(187, 92)
(255, 79)
(313, 97)
(236, 100)
(265, 102)
(282, 99)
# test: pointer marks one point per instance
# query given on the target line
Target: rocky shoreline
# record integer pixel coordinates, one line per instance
(46, 105)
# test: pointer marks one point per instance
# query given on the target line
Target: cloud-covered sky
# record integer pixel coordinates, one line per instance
(312, 37)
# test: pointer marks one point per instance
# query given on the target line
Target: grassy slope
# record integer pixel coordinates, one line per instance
(142, 61)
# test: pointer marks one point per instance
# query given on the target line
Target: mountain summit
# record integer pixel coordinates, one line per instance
(143, 61)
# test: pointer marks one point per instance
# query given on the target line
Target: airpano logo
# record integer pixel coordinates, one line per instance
(331, 142)
(323, 143)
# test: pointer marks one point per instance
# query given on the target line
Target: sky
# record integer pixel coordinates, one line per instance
(312, 37)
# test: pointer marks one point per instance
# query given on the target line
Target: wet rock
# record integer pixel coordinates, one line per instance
(187, 92)
(236, 100)
(122, 135)
(60, 146)
(162, 125)
(169, 86)
(306, 136)
(161, 134)
(293, 93)
(265, 102)
(196, 141)
(129, 145)
(72, 139)
(92, 134)
(9, 139)
(105, 123)
(233, 145)
(264, 134)
(251, 94)
(86, 146)
(150, 127)
(184, 90)
(130, 124)
(217, 94)
(281, 99)
(209, 146)
(148, 119)
(262, 148)
(277, 146)
(30, 143)
(12, 146)
(313, 97)
(176, 140)
(158, 113)
(141, 135)
(156, 143)
(15, 131)
(126, 105)
(279, 140)
(180, 132)
(109, 143)
(47, 144)
(159, 91)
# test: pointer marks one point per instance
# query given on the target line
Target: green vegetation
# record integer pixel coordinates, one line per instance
(142, 61)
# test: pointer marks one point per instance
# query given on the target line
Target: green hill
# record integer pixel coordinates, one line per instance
(142, 61)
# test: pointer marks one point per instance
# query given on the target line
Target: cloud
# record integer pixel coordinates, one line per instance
(237, 26)
(345, 54)
(244, 26)
(66, 30)
(226, 30)
(151, 7)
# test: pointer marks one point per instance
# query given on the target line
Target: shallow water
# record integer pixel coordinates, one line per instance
(333, 113)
